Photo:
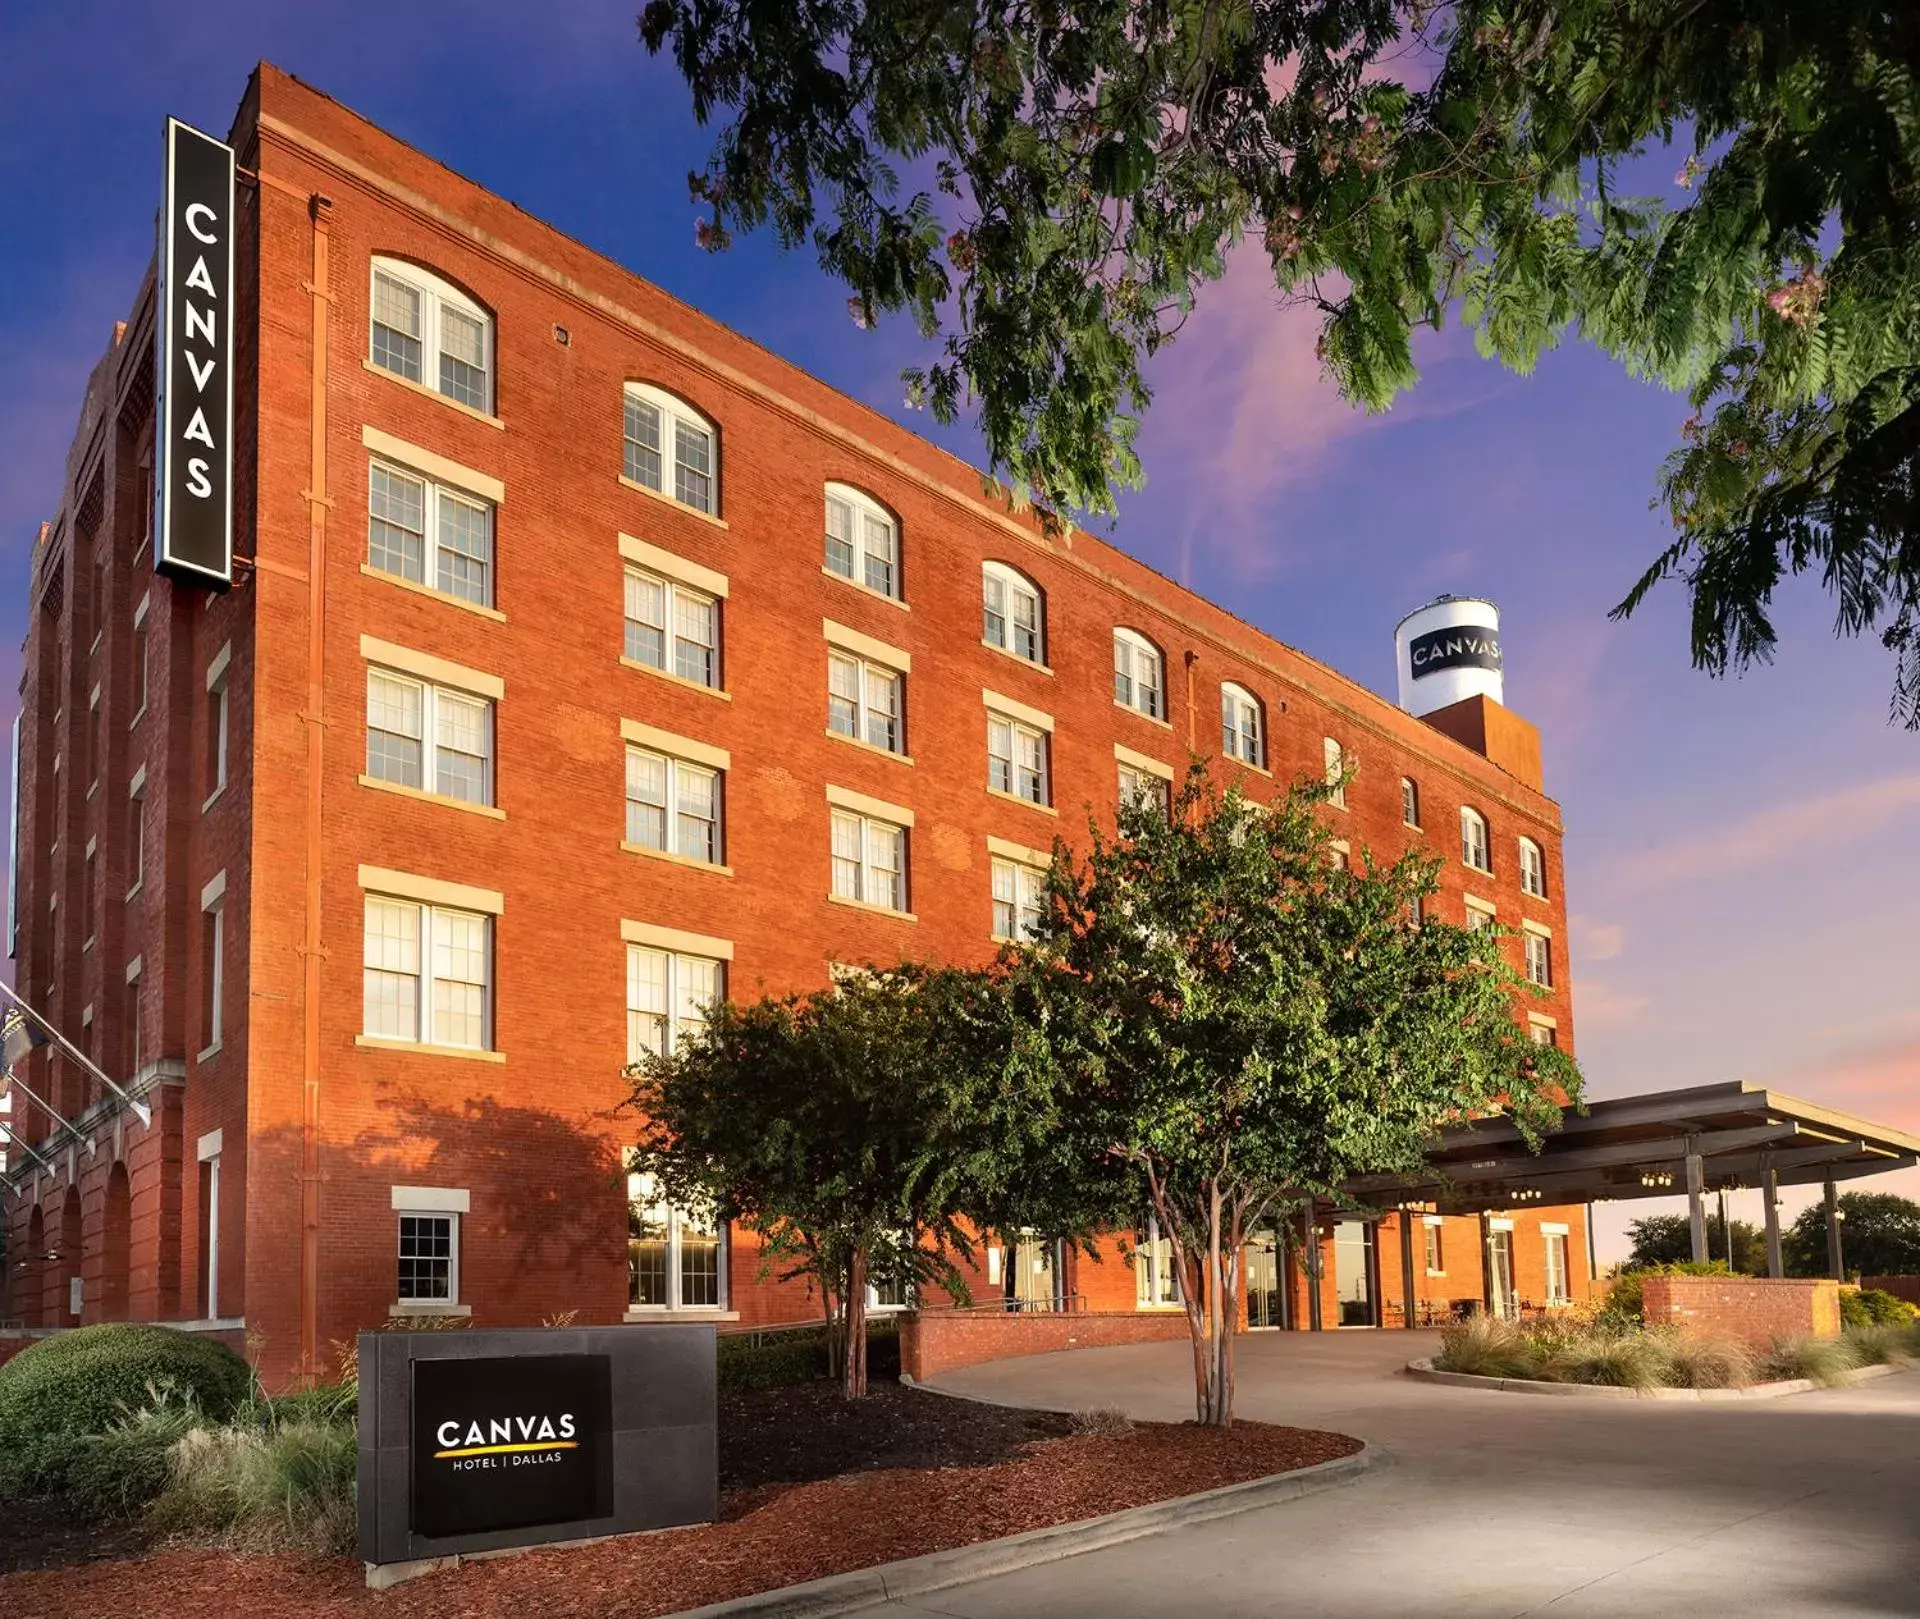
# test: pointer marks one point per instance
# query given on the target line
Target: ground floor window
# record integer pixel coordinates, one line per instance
(1155, 1280)
(1436, 1249)
(1558, 1291)
(429, 1256)
(676, 1258)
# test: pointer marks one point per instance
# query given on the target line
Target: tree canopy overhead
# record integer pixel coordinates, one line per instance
(1047, 187)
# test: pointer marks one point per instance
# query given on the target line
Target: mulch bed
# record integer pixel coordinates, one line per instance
(810, 1486)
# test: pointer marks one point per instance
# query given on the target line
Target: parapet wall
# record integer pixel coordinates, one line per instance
(1753, 1310)
(937, 1341)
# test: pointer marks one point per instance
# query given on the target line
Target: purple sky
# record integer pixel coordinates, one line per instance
(1742, 873)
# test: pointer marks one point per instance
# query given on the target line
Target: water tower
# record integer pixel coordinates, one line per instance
(1448, 651)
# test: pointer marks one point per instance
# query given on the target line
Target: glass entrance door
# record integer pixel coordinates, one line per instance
(1262, 1263)
(1353, 1272)
(1500, 1299)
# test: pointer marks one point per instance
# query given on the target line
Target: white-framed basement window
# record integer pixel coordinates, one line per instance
(669, 447)
(428, 331)
(863, 540)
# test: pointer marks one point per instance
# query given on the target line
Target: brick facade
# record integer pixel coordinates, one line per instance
(1756, 1310)
(527, 1130)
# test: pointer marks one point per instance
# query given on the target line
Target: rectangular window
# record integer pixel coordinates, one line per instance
(667, 995)
(1336, 761)
(1017, 759)
(1533, 869)
(396, 326)
(139, 671)
(135, 1054)
(96, 745)
(1153, 1272)
(1478, 918)
(1019, 895)
(676, 1258)
(216, 738)
(642, 446)
(89, 894)
(427, 974)
(673, 806)
(1557, 1289)
(1543, 1034)
(673, 628)
(429, 1258)
(463, 357)
(212, 975)
(869, 860)
(1409, 802)
(864, 701)
(431, 535)
(1436, 1250)
(1539, 959)
(402, 713)
(1142, 787)
(1012, 613)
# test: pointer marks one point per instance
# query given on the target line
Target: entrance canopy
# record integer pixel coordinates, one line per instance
(1669, 1143)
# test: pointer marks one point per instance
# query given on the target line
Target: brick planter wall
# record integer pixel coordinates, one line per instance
(944, 1340)
(1753, 1310)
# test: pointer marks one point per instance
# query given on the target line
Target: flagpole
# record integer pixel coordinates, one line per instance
(7, 1130)
(140, 1109)
(15, 1082)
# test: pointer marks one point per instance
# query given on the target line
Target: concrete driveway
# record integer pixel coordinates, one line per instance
(1496, 1504)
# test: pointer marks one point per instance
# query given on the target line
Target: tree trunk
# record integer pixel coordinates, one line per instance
(855, 1386)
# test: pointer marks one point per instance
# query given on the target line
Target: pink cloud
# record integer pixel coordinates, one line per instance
(1772, 835)
(1596, 941)
(1879, 1082)
(1601, 1005)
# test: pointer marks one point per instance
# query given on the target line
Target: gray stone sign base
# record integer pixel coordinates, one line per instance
(1423, 1371)
(917, 1576)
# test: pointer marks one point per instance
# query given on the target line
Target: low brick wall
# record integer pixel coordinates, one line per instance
(939, 1341)
(11, 1343)
(1753, 1310)
(1901, 1287)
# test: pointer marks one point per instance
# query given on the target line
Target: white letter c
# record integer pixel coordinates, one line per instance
(192, 230)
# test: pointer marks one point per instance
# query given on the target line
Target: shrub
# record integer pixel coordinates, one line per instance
(1825, 1361)
(1612, 1359)
(1103, 1422)
(115, 1474)
(339, 1402)
(284, 1485)
(1710, 1363)
(80, 1383)
(1870, 1307)
(748, 1361)
(1887, 1344)
(1484, 1346)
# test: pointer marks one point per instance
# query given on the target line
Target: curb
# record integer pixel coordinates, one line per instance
(918, 1576)
(1422, 1371)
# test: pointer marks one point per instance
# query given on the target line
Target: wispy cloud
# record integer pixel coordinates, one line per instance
(1772, 835)
(1879, 1081)
(1596, 941)
(1599, 1004)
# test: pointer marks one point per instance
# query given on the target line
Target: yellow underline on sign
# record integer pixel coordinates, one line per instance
(501, 1450)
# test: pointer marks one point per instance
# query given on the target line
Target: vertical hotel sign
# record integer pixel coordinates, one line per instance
(193, 539)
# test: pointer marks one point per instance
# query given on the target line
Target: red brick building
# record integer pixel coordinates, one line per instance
(585, 661)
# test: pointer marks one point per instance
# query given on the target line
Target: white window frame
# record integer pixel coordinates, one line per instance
(1001, 627)
(436, 296)
(865, 562)
(1555, 1242)
(867, 673)
(137, 828)
(1533, 869)
(434, 494)
(672, 594)
(1243, 727)
(219, 708)
(1472, 822)
(675, 413)
(1409, 802)
(680, 1008)
(1025, 895)
(1025, 762)
(676, 1303)
(1335, 758)
(867, 871)
(432, 697)
(213, 905)
(1156, 1279)
(1133, 652)
(1435, 1241)
(1136, 784)
(675, 770)
(451, 1204)
(427, 915)
(1538, 950)
(1542, 1031)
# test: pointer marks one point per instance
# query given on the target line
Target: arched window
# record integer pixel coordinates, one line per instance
(1139, 674)
(430, 332)
(1533, 869)
(1015, 618)
(1337, 763)
(863, 540)
(1473, 840)
(1242, 732)
(670, 448)
(1409, 801)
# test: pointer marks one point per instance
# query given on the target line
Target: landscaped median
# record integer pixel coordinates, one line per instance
(827, 1505)
(1626, 1359)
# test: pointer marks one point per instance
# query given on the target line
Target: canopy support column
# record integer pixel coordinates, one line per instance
(1310, 1266)
(1770, 1193)
(1406, 1266)
(1836, 1267)
(1696, 1201)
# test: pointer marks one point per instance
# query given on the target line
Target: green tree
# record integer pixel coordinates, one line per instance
(1879, 1236)
(1666, 1239)
(865, 1133)
(1236, 1024)
(1080, 170)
